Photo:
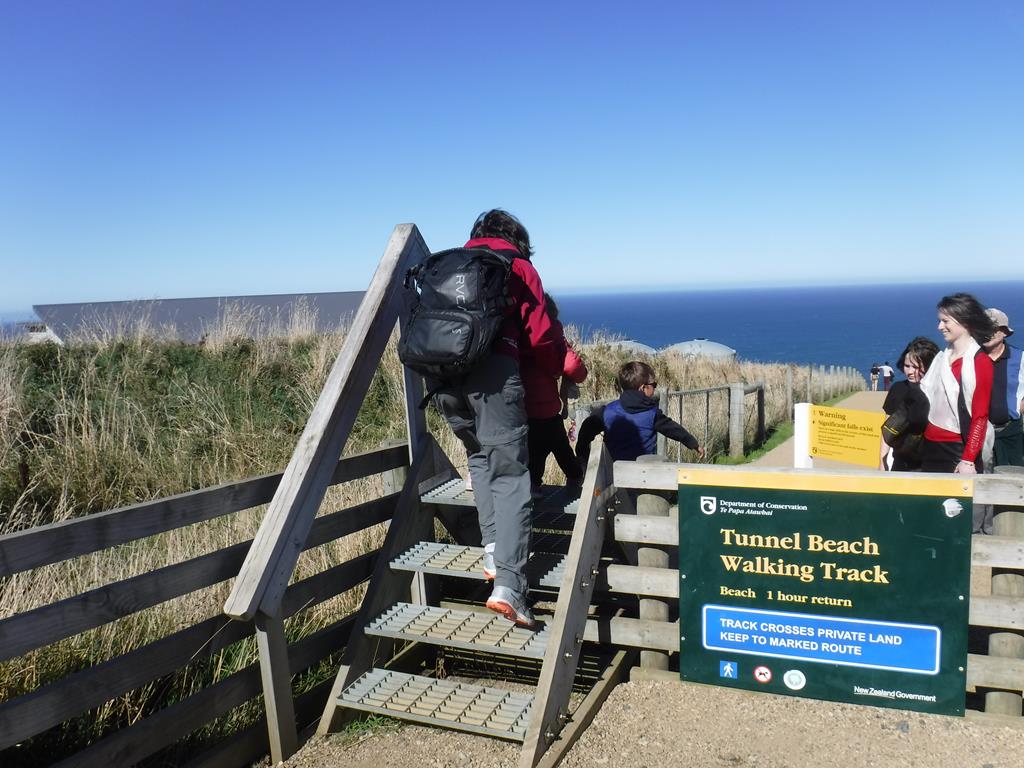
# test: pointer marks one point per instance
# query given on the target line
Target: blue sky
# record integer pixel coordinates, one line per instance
(169, 149)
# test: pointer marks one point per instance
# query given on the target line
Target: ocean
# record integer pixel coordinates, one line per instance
(854, 325)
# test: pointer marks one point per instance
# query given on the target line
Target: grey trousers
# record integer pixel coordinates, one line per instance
(488, 415)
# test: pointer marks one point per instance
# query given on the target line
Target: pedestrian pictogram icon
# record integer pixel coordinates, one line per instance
(762, 674)
(728, 669)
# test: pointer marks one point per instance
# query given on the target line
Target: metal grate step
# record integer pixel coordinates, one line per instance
(554, 500)
(468, 630)
(543, 570)
(464, 707)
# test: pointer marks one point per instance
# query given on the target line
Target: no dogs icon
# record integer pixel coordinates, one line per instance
(762, 674)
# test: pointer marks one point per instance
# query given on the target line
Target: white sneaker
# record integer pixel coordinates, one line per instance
(490, 569)
(510, 605)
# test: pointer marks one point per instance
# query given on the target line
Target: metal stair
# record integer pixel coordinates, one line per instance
(544, 569)
(473, 708)
(453, 628)
(567, 544)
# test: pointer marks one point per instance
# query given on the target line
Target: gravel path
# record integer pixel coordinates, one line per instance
(657, 724)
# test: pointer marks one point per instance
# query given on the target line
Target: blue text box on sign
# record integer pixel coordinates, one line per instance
(825, 639)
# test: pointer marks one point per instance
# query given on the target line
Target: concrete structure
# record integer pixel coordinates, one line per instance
(192, 319)
(702, 348)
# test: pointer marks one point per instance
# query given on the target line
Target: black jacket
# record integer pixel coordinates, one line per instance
(633, 401)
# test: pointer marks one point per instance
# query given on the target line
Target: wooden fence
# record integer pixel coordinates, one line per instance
(73, 696)
(997, 605)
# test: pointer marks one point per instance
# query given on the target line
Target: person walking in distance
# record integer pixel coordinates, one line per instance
(486, 410)
(886, 370)
(1007, 393)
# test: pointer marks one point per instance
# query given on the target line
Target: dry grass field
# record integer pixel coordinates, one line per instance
(105, 422)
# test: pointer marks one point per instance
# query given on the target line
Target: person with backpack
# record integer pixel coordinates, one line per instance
(906, 409)
(479, 313)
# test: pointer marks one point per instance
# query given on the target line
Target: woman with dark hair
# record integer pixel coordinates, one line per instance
(487, 412)
(500, 224)
(907, 409)
(959, 387)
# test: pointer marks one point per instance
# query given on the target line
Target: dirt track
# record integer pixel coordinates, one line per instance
(676, 724)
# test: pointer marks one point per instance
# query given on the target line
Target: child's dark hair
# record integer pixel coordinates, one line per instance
(551, 306)
(921, 348)
(499, 223)
(634, 375)
(969, 312)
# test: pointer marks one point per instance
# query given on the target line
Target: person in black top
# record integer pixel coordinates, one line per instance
(907, 408)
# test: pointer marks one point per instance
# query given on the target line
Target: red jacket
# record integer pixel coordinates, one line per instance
(543, 399)
(529, 334)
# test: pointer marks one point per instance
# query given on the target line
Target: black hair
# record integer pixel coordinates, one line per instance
(499, 223)
(552, 307)
(921, 348)
(634, 374)
(970, 313)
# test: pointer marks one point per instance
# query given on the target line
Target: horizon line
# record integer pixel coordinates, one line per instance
(18, 315)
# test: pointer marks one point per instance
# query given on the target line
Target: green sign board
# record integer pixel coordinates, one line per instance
(837, 587)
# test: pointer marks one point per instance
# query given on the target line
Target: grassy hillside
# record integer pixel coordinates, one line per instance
(111, 422)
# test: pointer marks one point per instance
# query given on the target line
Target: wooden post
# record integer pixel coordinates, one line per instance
(271, 559)
(810, 383)
(653, 505)
(707, 424)
(663, 404)
(1007, 521)
(277, 687)
(802, 436)
(761, 430)
(393, 480)
(736, 420)
(789, 392)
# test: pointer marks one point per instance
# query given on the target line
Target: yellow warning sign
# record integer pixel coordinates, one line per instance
(843, 434)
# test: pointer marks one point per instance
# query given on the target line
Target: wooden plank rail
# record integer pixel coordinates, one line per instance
(48, 624)
(251, 745)
(264, 576)
(130, 745)
(46, 544)
(33, 713)
(1004, 490)
(64, 699)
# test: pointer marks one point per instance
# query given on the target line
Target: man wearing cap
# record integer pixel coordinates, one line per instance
(1007, 393)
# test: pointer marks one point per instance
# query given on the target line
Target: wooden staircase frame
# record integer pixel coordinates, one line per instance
(258, 591)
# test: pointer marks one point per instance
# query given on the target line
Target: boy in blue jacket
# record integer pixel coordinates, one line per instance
(632, 423)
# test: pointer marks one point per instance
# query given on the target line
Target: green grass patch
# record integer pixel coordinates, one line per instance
(358, 730)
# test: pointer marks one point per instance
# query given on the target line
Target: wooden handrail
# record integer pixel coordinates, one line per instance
(47, 624)
(28, 715)
(53, 543)
(268, 567)
(988, 489)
